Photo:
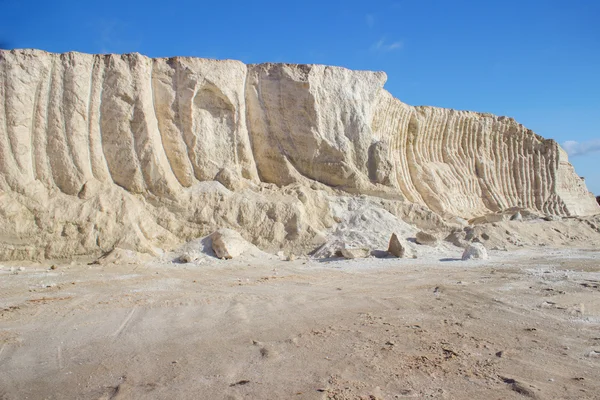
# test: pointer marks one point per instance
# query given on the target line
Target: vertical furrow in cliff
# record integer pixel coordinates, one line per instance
(154, 166)
(523, 201)
(517, 168)
(454, 139)
(467, 172)
(424, 174)
(498, 164)
(546, 183)
(64, 172)
(41, 163)
(525, 170)
(549, 164)
(397, 134)
(427, 137)
(508, 161)
(538, 178)
(461, 140)
(550, 205)
(532, 170)
(19, 92)
(395, 117)
(412, 150)
(98, 161)
(512, 158)
(493, 127)
(491, 166)
(474, 156)
(445, 151)
(34, 121)
(540, 196)
(465, 148)
(117, 106)
(7, 161)
(500, 161)
(173, 114)
(77, 68)
(503, 144)
(404, 150)
(484, 188)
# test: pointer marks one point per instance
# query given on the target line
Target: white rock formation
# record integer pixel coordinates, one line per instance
(355, 252)
(228, 244)
(116, 151)
(475, 251)
(399, 247)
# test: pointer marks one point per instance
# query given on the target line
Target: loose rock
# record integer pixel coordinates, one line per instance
(426, 238)
(475, 251)
(352, 253)
(517, 217)
(228, 244)
(399, 248)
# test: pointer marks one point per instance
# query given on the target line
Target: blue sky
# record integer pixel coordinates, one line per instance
(535, 60)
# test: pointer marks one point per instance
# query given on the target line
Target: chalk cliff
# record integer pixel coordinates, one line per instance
(98, 151)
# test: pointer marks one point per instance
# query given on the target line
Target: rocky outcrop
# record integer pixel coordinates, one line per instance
(98, 151)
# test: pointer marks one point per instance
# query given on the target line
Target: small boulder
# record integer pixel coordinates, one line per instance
(228, 244)
(475, 251)
(355, 252)
(399, 248)
(517, 217)
(426, 238)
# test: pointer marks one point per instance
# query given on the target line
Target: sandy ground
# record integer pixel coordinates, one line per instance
(524, 324)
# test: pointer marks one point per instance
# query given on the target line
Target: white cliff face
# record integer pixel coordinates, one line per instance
(146, 132)
(466, 163)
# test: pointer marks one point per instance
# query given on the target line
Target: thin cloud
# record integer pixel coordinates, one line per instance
(574, 148)
(370, 20)
(383, 46)
(115, 36)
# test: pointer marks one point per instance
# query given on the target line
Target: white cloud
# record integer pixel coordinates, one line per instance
(383, 46)
(574, 148)
(370, 20)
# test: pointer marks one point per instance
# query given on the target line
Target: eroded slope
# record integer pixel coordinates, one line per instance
(98, 151)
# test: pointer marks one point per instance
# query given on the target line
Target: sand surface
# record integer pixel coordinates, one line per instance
(523, 324)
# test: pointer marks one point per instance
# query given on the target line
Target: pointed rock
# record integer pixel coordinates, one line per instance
(399, 248)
